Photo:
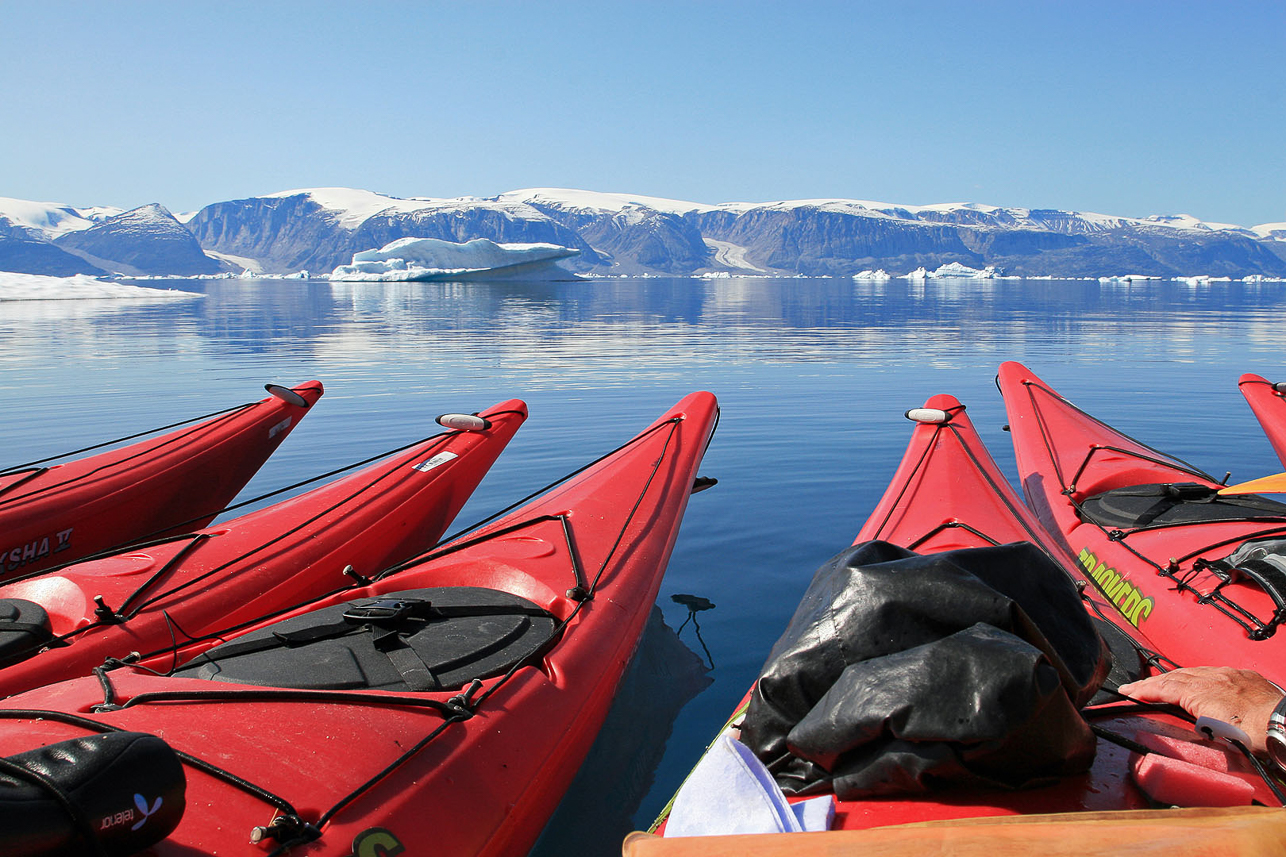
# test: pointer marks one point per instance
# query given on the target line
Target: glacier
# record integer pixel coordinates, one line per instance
(422, 259)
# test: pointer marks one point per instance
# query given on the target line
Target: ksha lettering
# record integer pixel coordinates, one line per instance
(36, 549)
(1124, 595)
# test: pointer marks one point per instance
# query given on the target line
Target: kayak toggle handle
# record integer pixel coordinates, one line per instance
(105, 614)
(932, 416)
(287, 395)
(464, 422)
(359, 579)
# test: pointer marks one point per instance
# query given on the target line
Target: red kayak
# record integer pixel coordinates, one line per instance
(1268, 401)
(445, 705)
(53, 514)
(947, 495)
(1180, 562)
(187, 588)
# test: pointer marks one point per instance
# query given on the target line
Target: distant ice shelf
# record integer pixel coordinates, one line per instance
(424, 259)
(36, 287)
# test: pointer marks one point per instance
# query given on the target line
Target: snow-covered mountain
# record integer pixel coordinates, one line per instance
(318, 229)
(145, 240)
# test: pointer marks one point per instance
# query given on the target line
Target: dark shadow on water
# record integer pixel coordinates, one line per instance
(597, 811)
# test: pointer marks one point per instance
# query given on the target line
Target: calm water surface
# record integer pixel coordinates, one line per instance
(813, 376)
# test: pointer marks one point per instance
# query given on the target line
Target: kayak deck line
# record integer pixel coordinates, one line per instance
(1274, 585)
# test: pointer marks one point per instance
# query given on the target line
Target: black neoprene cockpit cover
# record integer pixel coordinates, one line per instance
(440, 638)
(1176, 503)
(24, 628)
(900, 672)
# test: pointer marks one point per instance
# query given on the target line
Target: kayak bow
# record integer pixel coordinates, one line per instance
(1181, 563)
(53, 514)
(1268, 401)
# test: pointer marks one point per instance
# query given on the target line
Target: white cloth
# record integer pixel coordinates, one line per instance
(730, 791)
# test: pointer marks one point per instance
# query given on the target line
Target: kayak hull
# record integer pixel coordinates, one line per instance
(476, 770)
(174, 482)
(198, 587)
(1268, 401)
(1154, 575)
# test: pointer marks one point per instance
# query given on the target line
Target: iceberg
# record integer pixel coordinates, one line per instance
(957, 271)
(421, 259)
(878, 276)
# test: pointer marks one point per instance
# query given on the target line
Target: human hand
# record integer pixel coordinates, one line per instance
(1240, 697)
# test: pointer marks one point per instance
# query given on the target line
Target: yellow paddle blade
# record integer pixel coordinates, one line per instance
(1265, 485)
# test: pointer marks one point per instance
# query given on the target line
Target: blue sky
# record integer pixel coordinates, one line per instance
(1129, 108)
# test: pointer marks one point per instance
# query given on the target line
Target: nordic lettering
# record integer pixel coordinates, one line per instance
(1121, 591)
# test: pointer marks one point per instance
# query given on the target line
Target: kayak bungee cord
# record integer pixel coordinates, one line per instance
(1256, 628)
(288, 828)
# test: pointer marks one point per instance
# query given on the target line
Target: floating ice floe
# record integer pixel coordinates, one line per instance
(37, 287)
(420, 259)
(1128, 278)
(878, 276)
